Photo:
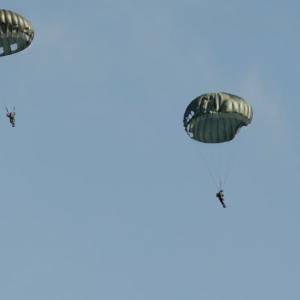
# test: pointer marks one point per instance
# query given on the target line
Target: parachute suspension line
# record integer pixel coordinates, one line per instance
(7, 110)
(225, 163)
(220, 184)
(231, 166)
(228, 173)
(219, 154)
(223, 154)
(220, 166)
(211, 174)
(225, 166)
(219, 160)
(205, 161)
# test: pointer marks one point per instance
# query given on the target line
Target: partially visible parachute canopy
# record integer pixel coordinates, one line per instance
(16, 33)
(216, 117)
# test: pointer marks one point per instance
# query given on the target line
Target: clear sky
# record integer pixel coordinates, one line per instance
(104, 196)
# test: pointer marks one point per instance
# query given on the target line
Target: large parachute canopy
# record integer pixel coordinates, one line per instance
(216, 117)
(16, 33)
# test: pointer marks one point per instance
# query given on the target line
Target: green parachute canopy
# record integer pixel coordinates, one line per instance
(216, 117)
(16, 33)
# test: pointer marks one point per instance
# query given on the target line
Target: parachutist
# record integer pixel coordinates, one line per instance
(12, 117)
(220, 196)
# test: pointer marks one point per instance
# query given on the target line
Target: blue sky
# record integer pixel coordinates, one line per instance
(104, 196)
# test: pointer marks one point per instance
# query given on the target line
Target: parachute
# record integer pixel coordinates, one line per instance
(16, 33)
(216, 117)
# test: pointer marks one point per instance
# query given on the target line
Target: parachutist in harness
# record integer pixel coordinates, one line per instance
(220, 196)
(12, 116)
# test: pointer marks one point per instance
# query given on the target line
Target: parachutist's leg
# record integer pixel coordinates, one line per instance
(222, 202)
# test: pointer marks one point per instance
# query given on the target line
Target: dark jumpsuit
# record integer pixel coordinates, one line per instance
(220, 196)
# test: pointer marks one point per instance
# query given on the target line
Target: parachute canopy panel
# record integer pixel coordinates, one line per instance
(16, 32)
(216, 117)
